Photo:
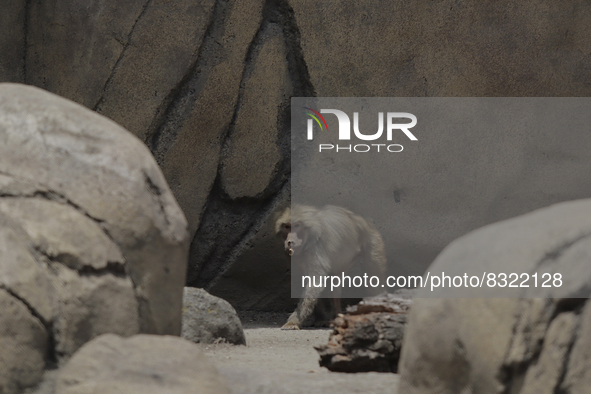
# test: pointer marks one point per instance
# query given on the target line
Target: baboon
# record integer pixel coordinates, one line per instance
(328, 241)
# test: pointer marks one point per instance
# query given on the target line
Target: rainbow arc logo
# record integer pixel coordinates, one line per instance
(315, 115)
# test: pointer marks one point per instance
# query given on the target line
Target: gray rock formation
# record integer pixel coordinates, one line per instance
(23, 340)
(91, 238)
(209, 319)
(534, 344)
(206, 86)
(142, 364)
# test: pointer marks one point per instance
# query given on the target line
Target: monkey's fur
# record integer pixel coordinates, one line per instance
(328, 241)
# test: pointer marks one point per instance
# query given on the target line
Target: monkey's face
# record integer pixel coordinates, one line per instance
(294, 236)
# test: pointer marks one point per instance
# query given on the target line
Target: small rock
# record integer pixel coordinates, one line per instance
(209, 319)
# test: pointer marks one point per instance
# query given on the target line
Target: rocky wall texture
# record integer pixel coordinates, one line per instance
(206, 85)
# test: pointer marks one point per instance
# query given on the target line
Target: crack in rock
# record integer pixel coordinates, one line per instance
(553, 255)
(101, 100)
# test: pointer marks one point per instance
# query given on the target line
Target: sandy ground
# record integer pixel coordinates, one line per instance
(276, 361)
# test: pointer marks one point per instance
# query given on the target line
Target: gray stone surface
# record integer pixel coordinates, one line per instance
(545, 374)
(445, 48)
(47, 385)
(493, 344)
(22, 274)
(24, 341)
(75, 281)
(90, 306)
(252, 156)
(209, 319)
(77, 66)
(141, 364)
(91, 239)
(62, 233)
(189, 148)
(59, 151)
(12, 40)
(156, 55)
(577, 378)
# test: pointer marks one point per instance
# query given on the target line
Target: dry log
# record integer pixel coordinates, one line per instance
(369, 337)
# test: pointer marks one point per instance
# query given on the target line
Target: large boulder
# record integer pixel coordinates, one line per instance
(142, 364)
(526, 339)
(209, 319)
(91, 238)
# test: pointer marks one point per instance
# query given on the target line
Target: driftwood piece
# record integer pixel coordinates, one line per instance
(369, 336)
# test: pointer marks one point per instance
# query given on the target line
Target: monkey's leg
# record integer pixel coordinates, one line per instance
(304, 309)
(375, 262)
